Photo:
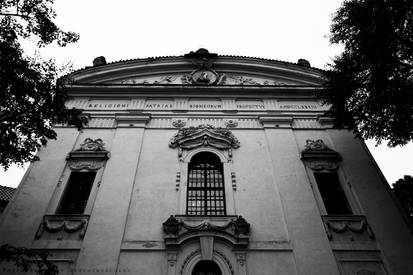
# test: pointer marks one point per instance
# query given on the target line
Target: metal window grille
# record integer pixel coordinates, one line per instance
(205, 192)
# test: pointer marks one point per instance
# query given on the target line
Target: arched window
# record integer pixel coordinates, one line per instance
(206, 268)
(205, 192)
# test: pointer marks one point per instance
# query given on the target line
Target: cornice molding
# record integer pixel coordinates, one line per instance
(183, 65)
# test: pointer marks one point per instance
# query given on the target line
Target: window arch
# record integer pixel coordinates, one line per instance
(205, 192)
(206, 268)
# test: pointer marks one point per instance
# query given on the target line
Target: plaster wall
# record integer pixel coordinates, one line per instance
(20, 221)
(273, 192)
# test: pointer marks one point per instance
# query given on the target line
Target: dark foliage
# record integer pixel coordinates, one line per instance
(403, 189)
(370, 84)
(30, 101)
(27, 260)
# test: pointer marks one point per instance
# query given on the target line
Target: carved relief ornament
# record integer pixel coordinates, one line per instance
(87, 156)
(235, 230)
(318, 156)
(92, 145)
(204, 135)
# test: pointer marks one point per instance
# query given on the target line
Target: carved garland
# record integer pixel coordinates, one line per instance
(341, 227)
(173, 226)
(63, 225)
(204, 135)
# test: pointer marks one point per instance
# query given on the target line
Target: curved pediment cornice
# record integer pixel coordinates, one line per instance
(204, 135)
(195, 70)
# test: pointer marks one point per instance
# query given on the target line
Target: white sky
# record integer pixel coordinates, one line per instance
(282, 30)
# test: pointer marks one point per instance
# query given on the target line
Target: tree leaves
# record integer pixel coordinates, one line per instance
(26, 259)
(30, 101)
(403, 189)
(370, 84)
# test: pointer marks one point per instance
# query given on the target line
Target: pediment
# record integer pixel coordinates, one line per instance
(195, 70)
(204, 135)
(223, 78)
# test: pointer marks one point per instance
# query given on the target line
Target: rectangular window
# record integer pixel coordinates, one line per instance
(332, 193)
(77, 192)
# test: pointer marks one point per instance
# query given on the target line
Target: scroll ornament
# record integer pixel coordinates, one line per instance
(204, 135)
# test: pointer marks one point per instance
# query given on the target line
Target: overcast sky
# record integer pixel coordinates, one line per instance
(282, 30)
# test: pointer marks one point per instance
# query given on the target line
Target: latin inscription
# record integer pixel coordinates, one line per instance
(205, 106)
(299, 107)
(108, 105)
(251, 106)
(199, 105)
(161, 106)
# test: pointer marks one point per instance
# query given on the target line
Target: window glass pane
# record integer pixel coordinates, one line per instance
(77, 192)
(332, 194)
(205, 184)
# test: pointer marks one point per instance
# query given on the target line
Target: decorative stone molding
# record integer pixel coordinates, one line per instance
(219, 257)
(187, 259)
(203, 136)
(92, 145)
(207, 246)
(233, 181)
(177, 180)
(56, 224)
(347, 225)
(89, 149)
(225, 258)
(178, 229)
(320, 155)
(319, 165)
(132, 120)
(231, 123)
(276, 122)
(178, 123)
(172, 256)
(241, 258)
(85, 164)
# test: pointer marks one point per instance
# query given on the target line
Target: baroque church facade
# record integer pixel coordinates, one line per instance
(207, 164)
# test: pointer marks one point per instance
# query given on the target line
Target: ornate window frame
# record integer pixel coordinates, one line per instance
(90, 157)
(205, 138)
(319, 158)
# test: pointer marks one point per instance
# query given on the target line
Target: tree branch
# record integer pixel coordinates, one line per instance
(17, 14)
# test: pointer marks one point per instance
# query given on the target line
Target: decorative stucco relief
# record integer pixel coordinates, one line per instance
(347, 225)
(88, 155)
(92, 145)
(187, 259)
(204, 135)
(178, 123)
(236, 229)
(85, 164)
(56, 224)
(231, 123)
(205, 77)
(318, 155)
